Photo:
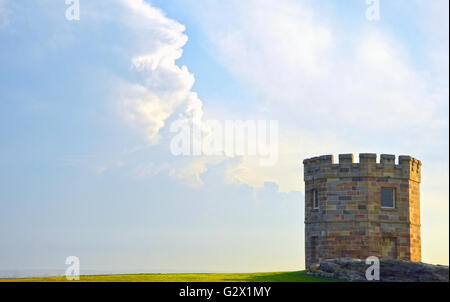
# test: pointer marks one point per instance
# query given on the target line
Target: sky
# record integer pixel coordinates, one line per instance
(86, 109)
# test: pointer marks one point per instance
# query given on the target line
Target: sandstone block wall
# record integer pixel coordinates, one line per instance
(350, 221)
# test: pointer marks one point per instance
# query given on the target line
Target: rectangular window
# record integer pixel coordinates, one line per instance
(388, 198)
(315, 199)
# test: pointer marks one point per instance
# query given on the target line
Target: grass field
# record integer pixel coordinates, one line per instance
(299, 276)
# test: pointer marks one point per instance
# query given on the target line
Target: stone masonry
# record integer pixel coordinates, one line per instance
(391, 270)
(348, 220)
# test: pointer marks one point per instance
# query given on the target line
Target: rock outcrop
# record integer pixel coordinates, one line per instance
(390, 270)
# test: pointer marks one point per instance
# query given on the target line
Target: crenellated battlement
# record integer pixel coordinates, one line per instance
(324, 167)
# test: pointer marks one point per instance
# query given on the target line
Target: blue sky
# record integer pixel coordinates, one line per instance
(86, 105)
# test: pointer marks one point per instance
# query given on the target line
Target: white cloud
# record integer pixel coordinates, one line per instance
(189, 170)
(156, 86)
(144, 108)
(286, 52)
(276, 42)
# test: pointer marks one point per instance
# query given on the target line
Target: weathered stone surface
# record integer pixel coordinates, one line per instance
(391, 270)
(349, 220)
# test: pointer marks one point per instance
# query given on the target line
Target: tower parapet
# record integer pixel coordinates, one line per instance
(324, 167)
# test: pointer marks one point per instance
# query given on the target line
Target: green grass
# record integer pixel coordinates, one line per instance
(299, 276)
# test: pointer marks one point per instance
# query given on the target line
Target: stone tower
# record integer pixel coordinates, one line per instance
(362, 209)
